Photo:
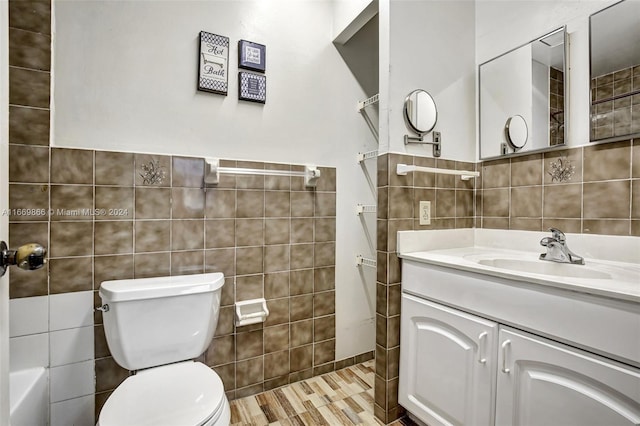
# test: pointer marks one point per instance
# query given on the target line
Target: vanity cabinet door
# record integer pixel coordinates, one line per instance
(542, 383)
(447, 364)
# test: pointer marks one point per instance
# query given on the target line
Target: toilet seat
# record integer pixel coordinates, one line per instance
(186, 393)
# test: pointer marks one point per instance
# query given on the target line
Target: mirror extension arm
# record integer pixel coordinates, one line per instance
(437, 151)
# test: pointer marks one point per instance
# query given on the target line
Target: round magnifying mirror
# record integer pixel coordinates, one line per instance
(516, 131)
(420, 111)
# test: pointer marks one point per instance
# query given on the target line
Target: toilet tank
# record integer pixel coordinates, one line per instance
(157, 321)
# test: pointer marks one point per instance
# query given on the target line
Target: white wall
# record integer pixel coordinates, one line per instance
(384, 78)
(431, 47)
(125, 79)
(504, 25)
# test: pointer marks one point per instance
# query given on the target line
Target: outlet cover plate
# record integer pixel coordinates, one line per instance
(425, 212)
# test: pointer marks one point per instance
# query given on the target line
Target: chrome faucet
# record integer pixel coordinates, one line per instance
(557, 250)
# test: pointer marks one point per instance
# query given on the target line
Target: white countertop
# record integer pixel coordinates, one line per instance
(435, 247)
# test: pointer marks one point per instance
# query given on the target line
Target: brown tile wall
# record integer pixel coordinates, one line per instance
(29, 73)
(601, 197)
(271, 236)
(615, 104)
(452, 206)
(29, 94)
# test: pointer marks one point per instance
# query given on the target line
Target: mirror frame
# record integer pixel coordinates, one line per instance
(406, 113)
(632, 135)
(565, 97)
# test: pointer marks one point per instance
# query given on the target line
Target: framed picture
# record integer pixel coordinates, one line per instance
(252, 87)
(252, 56)
(214, 63)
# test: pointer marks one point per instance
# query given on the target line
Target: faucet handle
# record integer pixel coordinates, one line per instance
(558, 235)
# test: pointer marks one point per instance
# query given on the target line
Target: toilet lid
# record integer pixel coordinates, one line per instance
(187, 393)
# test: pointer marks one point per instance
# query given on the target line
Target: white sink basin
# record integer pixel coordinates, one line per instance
(546, 268)
(611, 269)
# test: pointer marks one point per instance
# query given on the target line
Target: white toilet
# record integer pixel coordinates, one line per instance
(157, 326)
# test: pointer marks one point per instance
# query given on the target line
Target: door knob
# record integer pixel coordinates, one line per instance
(28, 257)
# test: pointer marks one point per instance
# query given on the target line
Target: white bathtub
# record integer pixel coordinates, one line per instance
(29, 397)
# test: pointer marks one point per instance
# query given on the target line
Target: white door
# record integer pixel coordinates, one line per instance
(447, 364)
(542, 383)
(4, 201)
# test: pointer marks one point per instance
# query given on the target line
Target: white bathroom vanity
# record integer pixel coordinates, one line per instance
(490, 334)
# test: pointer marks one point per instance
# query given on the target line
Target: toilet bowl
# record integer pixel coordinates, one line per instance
(186, 393)
(156, 327)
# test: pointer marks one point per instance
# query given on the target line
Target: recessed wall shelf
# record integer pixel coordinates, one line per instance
(362, 208)
(363, 261)
(362, 156)
(403, 169)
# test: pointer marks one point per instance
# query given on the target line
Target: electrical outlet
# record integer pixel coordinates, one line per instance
(425, 212)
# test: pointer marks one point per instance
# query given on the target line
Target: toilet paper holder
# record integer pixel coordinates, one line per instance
(251, 312)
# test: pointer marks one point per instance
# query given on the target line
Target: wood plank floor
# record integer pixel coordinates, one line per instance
(343, 397)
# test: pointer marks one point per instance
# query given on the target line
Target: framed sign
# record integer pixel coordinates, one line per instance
(252, 56)
(214, 63)
(252, 87)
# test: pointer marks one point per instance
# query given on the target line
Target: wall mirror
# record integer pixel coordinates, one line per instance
(522, 98)
(420, 111)
(615, 72)
(421, 115)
